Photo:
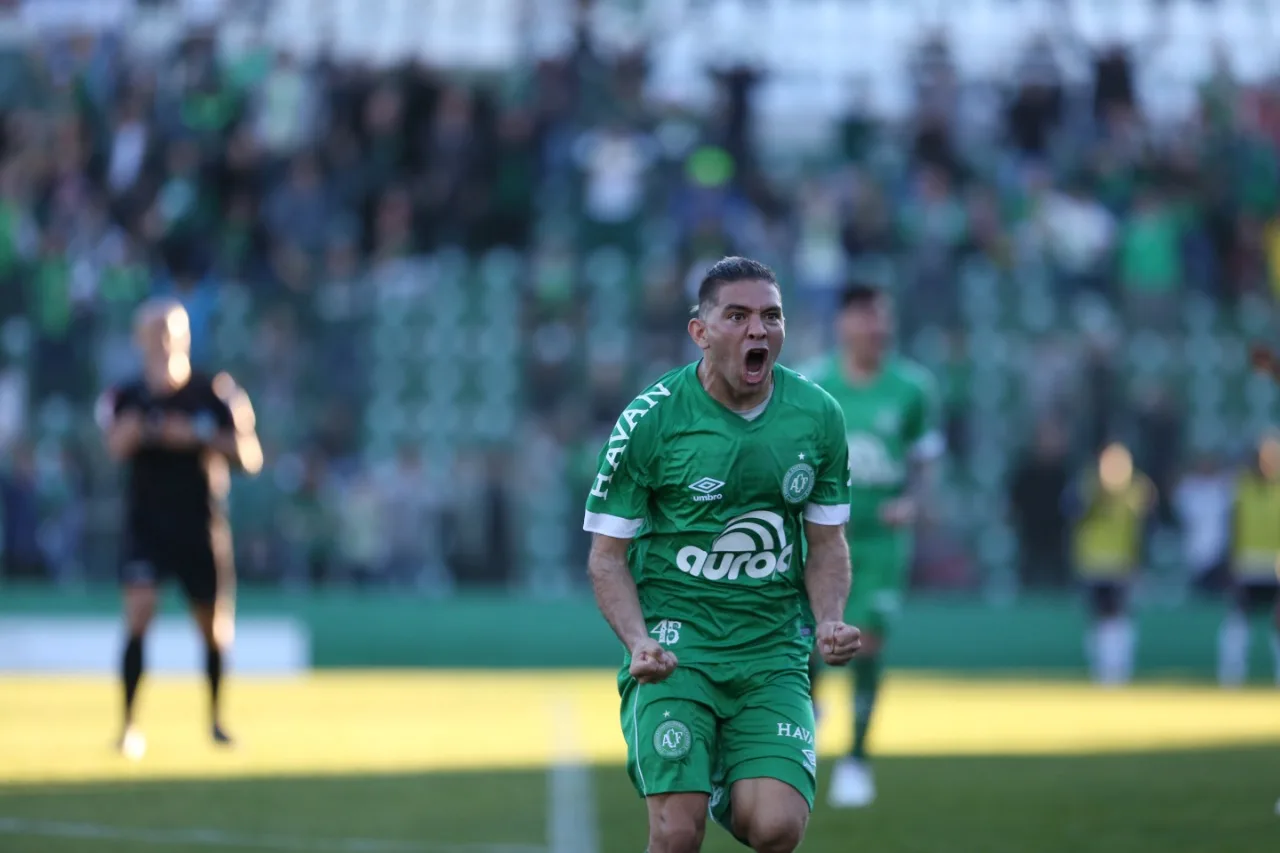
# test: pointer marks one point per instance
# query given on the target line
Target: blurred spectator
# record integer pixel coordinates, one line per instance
(1037, 106)
(22, 553)
(1158, 422)
(415, 525)
(1202, 501)
(331, 224)
(286, 108)
(1036, 491)
(360, 513)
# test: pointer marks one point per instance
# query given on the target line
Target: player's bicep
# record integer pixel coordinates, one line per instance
(105, 408)
(618, 501)
(114, 402)
(117, 413)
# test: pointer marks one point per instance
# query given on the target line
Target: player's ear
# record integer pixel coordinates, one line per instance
(698, 331)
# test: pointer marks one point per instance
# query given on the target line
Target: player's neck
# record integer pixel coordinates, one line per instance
(164, 379)
(720, 391)
(862, 371)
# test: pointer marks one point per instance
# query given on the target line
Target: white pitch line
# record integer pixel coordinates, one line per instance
(232, 840)
(572, 826)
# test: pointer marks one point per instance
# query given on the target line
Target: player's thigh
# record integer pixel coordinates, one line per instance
(771, 736)
(140, 602)
(195, 565)
(670, 730)
(140, 574)
(880, 568)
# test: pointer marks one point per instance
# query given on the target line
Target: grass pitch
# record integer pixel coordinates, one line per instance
(397, 762)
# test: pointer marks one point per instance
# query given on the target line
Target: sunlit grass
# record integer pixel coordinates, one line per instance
(338, 723)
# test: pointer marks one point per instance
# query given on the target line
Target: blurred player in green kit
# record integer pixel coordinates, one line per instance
(892, 420)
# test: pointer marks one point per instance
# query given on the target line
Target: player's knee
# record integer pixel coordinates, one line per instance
(676, 831)
(139, 608)
(203, 614)
(774, 830)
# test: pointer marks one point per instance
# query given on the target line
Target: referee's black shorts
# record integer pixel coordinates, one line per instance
(1255, 596)
(1107, 597)
(194, 558)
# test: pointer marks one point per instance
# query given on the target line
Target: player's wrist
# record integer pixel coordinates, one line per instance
(635, 640)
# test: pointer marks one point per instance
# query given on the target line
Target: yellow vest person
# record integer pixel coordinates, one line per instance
(1256, 537)
(1255, 564)
(1111, 504)
(1115, 502)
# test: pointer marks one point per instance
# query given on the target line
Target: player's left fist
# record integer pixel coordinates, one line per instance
(838, 642)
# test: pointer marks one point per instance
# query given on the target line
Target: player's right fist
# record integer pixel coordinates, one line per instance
(1263, 360)
(650, 662)
(838, 642)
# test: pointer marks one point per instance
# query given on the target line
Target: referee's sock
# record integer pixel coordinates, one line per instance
(131, 672)
(213, 669)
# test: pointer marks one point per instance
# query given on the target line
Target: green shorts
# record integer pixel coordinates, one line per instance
(705, 728)
(881, 566)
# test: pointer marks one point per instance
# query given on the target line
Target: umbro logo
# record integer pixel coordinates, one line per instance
(708, 489)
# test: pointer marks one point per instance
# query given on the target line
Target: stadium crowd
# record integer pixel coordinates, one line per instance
(1049, 219)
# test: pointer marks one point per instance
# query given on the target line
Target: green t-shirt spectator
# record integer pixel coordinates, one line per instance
(50, 296)
(1150, 250)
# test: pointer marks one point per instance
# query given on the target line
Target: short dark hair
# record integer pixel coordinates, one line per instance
(860, 294)
(727, 271)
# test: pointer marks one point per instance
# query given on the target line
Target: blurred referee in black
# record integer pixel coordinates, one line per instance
(178, 433)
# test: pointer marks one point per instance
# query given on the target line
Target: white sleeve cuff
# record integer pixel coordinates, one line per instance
(827, 515)
(611, 525)
(929, 447)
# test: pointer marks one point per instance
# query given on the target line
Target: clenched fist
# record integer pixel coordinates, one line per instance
(650, 662)
(838, 642)
(1264, 360)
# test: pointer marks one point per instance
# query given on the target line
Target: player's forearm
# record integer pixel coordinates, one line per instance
(616, 595)
(242, 451)
(827, 573)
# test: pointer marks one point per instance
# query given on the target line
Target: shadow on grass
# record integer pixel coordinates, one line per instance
(1194, 801)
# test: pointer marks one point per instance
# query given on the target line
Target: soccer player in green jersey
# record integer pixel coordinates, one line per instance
(718, 515)
(891, 414)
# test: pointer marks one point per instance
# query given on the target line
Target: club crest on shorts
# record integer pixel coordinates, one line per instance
(672, 740)
(797, 483)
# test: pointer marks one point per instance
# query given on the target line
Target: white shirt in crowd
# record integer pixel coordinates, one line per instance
(1203, 503)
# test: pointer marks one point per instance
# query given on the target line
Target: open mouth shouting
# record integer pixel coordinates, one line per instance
(756, 365)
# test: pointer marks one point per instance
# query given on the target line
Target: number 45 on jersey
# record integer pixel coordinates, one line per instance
(667, 632)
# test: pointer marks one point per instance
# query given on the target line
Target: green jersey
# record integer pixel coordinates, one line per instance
(891, 420)
(715, 502)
